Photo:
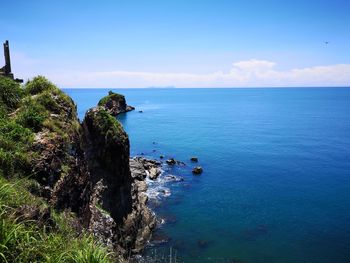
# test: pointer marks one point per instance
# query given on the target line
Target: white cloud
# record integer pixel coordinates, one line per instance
(249, 73)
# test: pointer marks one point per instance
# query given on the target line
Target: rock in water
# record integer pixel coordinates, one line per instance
(115, 104)
(194, 159)
(197, 170)
(171, 161)
(154, 172)
(142, 167)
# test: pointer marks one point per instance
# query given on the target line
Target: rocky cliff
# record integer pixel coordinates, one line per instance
(101, 188)
(83, 167)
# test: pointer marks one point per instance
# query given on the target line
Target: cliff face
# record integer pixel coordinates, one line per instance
(100, 187)
(83, 168)
(106, 148)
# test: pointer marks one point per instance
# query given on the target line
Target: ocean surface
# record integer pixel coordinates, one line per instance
(276, 180)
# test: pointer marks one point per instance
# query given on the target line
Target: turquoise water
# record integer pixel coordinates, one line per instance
(276, 180)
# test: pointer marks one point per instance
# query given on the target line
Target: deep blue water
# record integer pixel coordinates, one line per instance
(276, 180)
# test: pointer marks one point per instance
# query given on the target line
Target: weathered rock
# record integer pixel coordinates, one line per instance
(154, 172)
(197, 170)
(142, 186)
(129, 108)
(142, 168)
(137, 170)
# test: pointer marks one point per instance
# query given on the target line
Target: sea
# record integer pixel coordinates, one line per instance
(275, 186)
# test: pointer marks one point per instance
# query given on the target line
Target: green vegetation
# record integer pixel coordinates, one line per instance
(42, 240)
(32, 115)
(10, 94)
(30, 230)
(111, 96)
(15, 142)
(108, 126)
(38, 85)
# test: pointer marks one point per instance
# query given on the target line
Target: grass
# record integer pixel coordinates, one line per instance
(15, 142)
(27, 241)
(10, 93)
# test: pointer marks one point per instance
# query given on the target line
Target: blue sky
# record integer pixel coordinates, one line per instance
(192, 43)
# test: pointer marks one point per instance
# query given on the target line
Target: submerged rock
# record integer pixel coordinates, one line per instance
(197, 170)
(160, 237)
(202, 243)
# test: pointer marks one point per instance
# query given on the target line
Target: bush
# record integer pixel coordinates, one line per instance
(10, 93)
(38, 85)
(15, 141)
(46, 100)
(32, 116)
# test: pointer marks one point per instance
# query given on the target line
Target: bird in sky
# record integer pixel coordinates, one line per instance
(326, 42)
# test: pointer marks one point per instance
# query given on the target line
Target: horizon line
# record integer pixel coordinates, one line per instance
(248, 87)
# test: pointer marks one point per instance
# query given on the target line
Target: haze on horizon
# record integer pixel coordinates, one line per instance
(181, 43)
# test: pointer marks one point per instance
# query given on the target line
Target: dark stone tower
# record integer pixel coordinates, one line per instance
(6, 70)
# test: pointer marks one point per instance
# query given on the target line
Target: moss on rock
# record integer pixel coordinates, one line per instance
(111, 96)
(107, 125)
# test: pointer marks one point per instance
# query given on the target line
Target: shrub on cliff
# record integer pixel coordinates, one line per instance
(10, 93)
(31, 115)
(38, 85)
(15, 141)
